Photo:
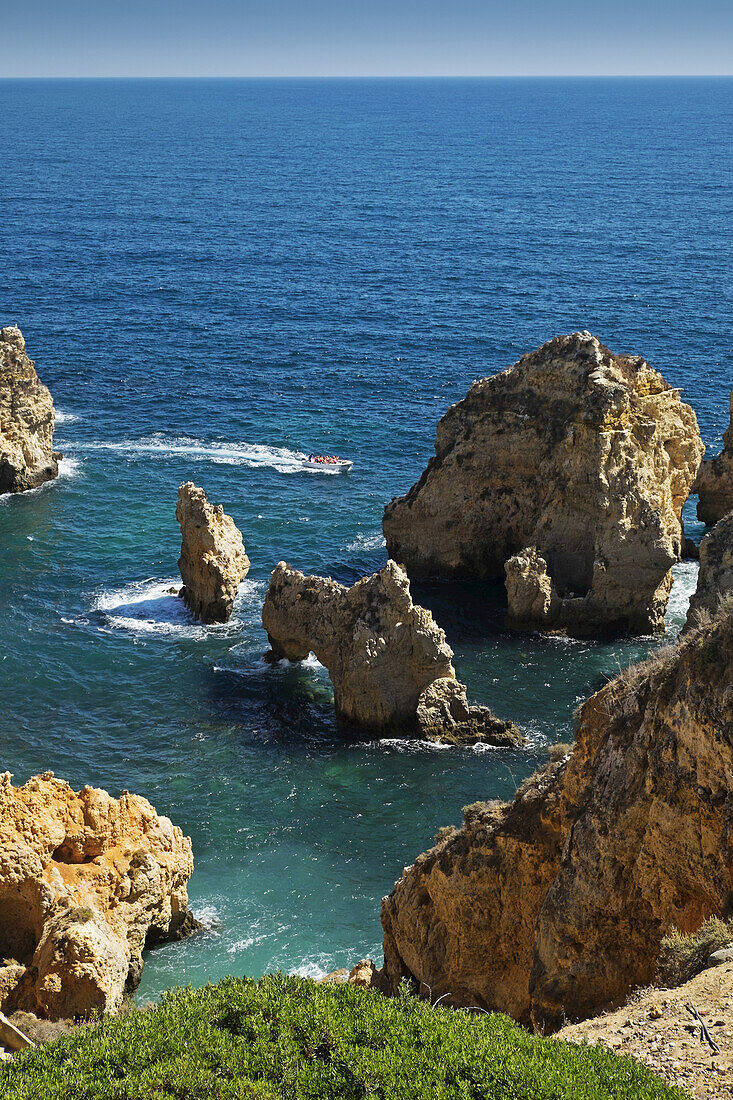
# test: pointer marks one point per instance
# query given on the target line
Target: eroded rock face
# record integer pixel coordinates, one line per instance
(86, 881)
(715, 579)
(27, 457)
(574, 457)
(531, 595)
(213, 562)
(554, 906)
(714, 484)
(389, 662)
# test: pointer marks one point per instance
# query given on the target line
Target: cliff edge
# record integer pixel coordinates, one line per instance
(553, 907)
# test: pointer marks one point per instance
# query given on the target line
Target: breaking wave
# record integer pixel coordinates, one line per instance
(685, 582)
(154, 607)
(367, 542)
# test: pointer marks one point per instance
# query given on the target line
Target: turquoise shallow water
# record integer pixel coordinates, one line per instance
(216, 276)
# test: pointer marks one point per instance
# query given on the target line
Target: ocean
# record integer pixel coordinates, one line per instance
(217, 276)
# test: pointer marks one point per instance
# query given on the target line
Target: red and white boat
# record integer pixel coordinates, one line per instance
(328, 464)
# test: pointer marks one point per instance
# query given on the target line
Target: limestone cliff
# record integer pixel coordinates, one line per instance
(213, 561)
(389, 662)
(714, 484)
(86, 881)
(554, 906)
(27, 457)
(575, 459)
(715, 579)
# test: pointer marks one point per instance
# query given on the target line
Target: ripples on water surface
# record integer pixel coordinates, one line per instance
(217, 277)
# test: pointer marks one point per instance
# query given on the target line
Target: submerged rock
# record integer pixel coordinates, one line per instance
(554, 906)
(27, 457)
(714, 484)
(571, 468)
(86, 882)
(389, 662)
(715, 579)
(213, 561)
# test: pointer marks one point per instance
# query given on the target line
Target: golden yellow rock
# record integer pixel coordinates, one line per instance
(554, 906)
(336, 977)
(366, 975)
(571, 469)
(213, 562)
(389, 661)
(86, 881)
(27, 457)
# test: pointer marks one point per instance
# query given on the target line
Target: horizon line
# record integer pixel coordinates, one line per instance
(372, 76)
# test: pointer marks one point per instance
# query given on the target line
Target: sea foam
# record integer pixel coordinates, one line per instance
(685, 575)
(69, 468)
(252, 455)
(367, 542)
(150, 607)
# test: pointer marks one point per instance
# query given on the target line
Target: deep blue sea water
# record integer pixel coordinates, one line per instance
(214, 276)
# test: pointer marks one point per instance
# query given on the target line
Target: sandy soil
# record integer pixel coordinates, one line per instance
(657, 1029)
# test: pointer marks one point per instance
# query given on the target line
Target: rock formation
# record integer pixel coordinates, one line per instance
(390, 665)
(715, 579)
(86, 882)
(27, 457)
(572, 466)
(714, 484)
(554, 906)
(363, 973)
(213, 561)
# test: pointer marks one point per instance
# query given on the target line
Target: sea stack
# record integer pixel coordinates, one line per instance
(714, 484)
(715, 579)
(565, 473)
(27, 457)
(213, 560)
(86, 882)
(389, 661)
(553, 907)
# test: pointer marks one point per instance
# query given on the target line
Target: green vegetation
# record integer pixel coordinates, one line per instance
(683, 955)
(284, 1038)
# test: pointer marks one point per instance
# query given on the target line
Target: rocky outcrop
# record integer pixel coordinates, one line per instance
(658, 1029)
(27, 457)
(531, 595)
(86, 882)
(389, 662)
(715, 579)
(213, 561)
(714, 484)
(554, 906)
(363, 973)
(572, 466)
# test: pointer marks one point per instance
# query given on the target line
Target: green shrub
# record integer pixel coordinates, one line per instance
(682, 956)
(285, 1038)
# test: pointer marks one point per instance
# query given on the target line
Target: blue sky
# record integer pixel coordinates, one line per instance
(364, 37)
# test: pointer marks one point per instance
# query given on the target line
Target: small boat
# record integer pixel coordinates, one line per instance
(340, 466)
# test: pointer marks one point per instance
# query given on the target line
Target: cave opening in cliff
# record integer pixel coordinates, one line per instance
(68, 853)
(21, 922)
